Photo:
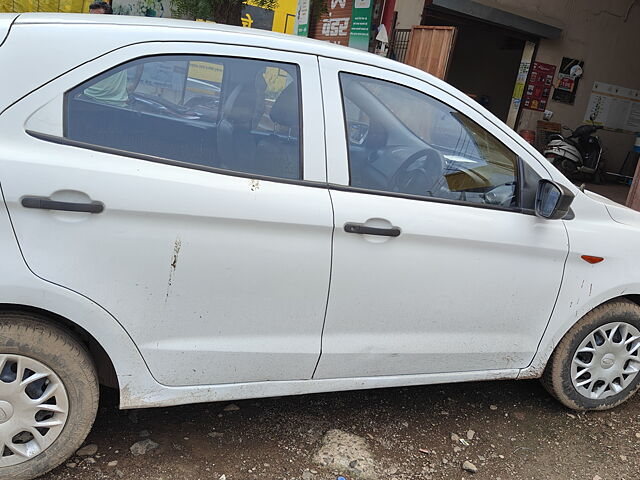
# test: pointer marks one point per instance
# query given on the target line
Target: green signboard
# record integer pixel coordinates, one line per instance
(360, 24)
(302, 18)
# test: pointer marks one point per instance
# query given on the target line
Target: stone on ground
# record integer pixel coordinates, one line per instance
(143, 446)
(347, 453)
(88, 450)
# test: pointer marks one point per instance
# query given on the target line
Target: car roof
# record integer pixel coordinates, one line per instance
(162, 29)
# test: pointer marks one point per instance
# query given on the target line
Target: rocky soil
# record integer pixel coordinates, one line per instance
(492, 430)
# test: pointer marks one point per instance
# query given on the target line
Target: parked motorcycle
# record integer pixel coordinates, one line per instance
(580, 152)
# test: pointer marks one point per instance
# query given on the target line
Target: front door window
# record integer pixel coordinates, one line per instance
(406, 142)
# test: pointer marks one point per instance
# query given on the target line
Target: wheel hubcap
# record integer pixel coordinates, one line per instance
(607, 361)
(6, 411)
(33, 408)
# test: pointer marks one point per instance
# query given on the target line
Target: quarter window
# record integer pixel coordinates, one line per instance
(404, 141)
(241, 115)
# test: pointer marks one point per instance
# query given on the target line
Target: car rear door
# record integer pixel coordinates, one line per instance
(176, 186)
(439, 264)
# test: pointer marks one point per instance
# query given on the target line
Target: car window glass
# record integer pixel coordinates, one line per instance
(357, 122)
(417, 145)
(237, 114)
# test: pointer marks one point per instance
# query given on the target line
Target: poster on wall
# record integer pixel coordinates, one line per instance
(335, 25)
(568, 78)
(538, 89)
(521, 80)
(614, 107)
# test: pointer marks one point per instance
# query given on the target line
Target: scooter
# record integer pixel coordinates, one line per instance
(580, 152)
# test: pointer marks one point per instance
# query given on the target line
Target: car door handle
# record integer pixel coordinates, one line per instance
(363, 229)
(48, 204)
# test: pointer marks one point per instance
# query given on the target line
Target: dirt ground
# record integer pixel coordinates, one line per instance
(519, 432)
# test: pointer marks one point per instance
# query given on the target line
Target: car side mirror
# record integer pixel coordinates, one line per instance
(552, 200)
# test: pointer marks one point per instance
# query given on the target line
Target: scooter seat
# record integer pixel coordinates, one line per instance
(573, 142)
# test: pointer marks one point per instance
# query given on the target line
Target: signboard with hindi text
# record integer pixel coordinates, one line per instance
(360, 24)
(334, 26)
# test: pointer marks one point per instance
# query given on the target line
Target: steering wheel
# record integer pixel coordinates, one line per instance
(421, 179)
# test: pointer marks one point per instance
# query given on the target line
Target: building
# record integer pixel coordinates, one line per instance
(516, 58)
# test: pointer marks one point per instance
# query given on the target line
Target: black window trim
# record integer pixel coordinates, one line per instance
(519, 170)
(167, 161)
(446, 201)
(302, 182)
(143, 156)
(305, 183)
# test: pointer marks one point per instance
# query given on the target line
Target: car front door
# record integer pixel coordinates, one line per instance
(170, 184)
(439, 264)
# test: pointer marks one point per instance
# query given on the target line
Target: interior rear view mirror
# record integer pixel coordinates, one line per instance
(552, 200)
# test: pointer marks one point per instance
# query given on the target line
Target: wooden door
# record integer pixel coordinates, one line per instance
(430, 49)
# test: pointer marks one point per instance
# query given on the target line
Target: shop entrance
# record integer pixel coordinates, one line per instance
(485, 60)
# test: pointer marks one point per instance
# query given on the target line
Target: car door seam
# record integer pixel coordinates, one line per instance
(326, 308)
(555, 303)
(333, 214)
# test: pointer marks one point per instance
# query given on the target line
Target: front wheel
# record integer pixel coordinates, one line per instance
(599, 176)
(596, 364)
(48, 396)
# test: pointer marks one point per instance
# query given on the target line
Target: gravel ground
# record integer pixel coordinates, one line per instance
(507, 430)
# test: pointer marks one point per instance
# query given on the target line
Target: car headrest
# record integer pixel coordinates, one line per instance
(285, 109)
(241, 104)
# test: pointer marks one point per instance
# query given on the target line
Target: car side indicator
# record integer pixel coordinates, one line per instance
(591, 259)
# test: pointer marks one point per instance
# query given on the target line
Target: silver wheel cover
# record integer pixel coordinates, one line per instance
(607, 361)
(33, 408)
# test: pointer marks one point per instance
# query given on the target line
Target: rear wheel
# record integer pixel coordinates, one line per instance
(558, 162)
(596, 365)
(48, 396)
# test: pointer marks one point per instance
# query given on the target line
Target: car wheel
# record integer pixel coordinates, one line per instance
(48, 396)
(595, 366)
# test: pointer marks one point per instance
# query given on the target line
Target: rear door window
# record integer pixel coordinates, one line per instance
(237, 114)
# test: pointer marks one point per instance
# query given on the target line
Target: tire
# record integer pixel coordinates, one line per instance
(599, 177)
(557, 162)
(38, 345)
(558, 377)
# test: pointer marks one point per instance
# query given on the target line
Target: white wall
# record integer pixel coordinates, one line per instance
(409, 13)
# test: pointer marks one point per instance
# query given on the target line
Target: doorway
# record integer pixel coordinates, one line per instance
(485, 60)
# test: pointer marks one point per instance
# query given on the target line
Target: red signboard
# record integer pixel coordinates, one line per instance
(538, 89)
(334, 26)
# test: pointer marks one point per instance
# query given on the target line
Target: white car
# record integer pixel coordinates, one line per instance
(197, 213)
